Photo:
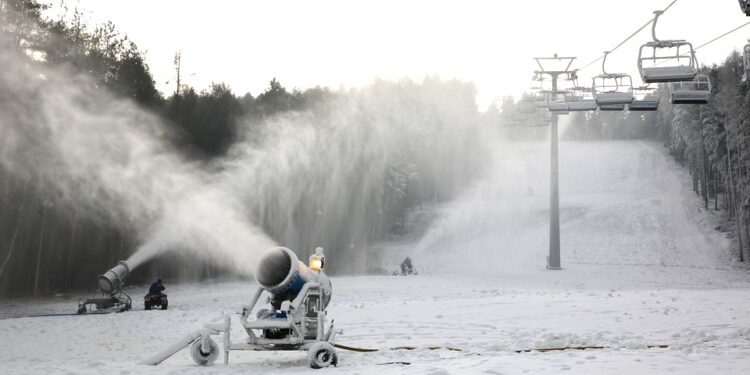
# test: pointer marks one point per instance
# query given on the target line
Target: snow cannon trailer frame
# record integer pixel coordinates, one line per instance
(298, 296)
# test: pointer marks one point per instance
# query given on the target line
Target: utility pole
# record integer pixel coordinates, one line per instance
(553, 259)
(178, 67)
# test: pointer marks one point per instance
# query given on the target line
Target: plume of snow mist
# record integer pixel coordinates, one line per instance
(107, 156)
(499, 225)
(341, 175)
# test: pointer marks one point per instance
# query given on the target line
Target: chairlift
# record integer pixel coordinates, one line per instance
(571, 100)
(555, 101)
(575, 95)
(580, 99)
(561, 108)
(612, 107)
(537, 97)
(746, 61)
(672, 73)
(584, 105)
(576, 92)
(649, 102)
(542, 101)
(611, 88)
(697, 91)
(644, 105)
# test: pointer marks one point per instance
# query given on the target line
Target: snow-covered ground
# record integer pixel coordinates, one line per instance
(643, 265)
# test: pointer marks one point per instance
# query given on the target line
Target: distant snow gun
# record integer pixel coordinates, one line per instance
(294, 316)
(112, 281)
(114, 298)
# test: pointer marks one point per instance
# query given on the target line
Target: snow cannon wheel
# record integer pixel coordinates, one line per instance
(201, 358)
(322, 354)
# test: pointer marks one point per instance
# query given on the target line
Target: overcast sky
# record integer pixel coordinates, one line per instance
(348, 43)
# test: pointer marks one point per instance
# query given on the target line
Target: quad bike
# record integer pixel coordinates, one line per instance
(151, 301)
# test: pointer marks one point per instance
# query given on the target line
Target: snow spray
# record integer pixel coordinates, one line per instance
(107, 156)
(336, 175)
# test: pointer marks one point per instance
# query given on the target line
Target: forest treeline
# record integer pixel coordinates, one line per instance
(49, 243)
(711, 141)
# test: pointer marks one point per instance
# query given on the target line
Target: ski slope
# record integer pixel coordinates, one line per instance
(642, 265)
(621, 204)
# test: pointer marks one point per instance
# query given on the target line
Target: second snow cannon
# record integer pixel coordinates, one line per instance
(113, 280)
(110, 284)
(293, 317)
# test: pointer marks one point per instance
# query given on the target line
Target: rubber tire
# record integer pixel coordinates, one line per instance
(147, 305)
(322, 354)
(202, 359)
(164, 306)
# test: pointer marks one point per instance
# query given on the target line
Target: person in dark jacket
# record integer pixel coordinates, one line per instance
(407, 268)
(156, 288)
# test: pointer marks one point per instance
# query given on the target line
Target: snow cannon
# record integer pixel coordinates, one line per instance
(111, 281)
(283, 275)
(110, 284)
(292, 316)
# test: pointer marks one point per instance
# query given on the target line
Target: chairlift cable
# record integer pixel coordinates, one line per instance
(710, 41)
(722, 35)
(628, 38)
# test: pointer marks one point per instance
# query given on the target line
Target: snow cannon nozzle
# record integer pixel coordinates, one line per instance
(112, 281)
(282, 274)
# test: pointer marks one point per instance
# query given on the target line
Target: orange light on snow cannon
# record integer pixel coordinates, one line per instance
(317, 260)
(316, 264)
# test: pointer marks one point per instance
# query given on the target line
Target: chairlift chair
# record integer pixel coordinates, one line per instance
(581, 99)
(575, 95)
(577, 92)
(559, 102)
(746, 61)
(561, 108)
(582, 106)
(575, 99)
(542, 101)
(612, 88)
(612, 107)
(644, 105)
(653, 73)
(697, 91)
(649, 102)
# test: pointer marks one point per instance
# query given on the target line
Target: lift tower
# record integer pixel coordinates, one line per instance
(561, 68)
